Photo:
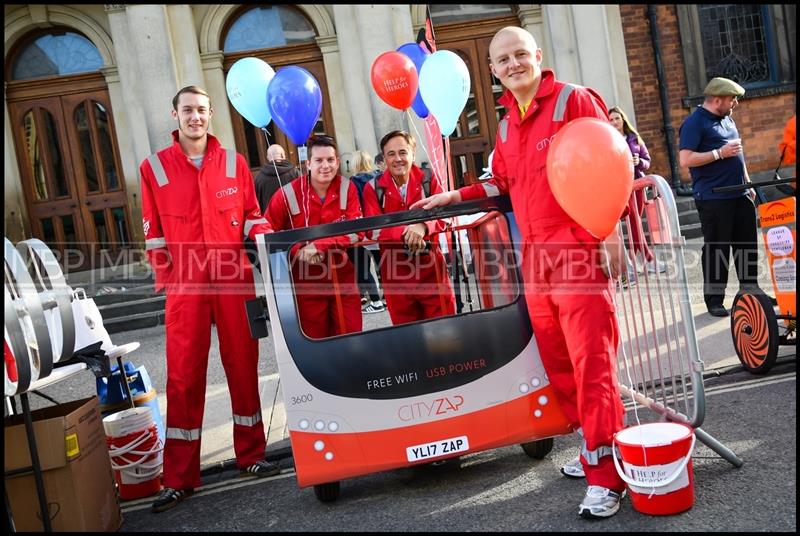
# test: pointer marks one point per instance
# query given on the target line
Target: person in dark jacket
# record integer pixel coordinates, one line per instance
(365, 256)
(276, 173)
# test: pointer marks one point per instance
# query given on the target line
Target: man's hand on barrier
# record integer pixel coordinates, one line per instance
(437, 200)
(309, 254)
(414, 237)
(612, 255)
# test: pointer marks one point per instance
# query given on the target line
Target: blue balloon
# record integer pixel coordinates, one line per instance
(418, 55)
(246, 85)
(295, 101)
(444, 84)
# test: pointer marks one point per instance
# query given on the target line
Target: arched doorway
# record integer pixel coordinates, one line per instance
(467, 31)
(63, 129)
(281, 36)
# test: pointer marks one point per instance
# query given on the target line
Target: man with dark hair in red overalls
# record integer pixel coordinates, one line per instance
(198, 205)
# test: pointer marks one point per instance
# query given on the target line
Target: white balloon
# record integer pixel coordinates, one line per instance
(444, 85)
(246, 84)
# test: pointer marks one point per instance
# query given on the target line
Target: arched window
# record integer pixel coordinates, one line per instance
(267, 27)
(441, 13)
(57, 53)
(281, 36)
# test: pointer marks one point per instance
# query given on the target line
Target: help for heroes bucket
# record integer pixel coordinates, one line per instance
(657, 460)
(135, 450)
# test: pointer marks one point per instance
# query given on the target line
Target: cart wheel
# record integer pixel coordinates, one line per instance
(754, 328)
(538, 449)
(327, 492)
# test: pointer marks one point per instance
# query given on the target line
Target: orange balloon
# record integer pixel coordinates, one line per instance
(590, 171)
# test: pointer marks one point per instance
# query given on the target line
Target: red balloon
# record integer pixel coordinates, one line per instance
(590, 171)
(395, 79)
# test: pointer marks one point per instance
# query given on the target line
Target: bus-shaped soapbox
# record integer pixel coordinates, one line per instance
(416, 393)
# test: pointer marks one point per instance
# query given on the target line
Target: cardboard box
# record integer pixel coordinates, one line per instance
(76, 469)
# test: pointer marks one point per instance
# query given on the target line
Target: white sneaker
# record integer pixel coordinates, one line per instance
(656, 266)
(373, 307)
(573, 468)
(599, 502)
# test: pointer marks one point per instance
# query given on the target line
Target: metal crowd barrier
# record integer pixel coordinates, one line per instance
(659, 365)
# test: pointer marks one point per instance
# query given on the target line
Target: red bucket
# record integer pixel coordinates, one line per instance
(135, 451)
(657, 461)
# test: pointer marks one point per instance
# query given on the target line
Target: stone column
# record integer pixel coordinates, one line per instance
(375, 38)
(185, 48)
(221, 124)
(560, 36)
(337, 91)
(355, 86)
(147, 73)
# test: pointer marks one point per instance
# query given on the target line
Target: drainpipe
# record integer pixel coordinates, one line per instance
(669, 131)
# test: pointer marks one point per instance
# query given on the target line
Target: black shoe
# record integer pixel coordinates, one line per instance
(261, 469)
(717, 310)
(169, 498)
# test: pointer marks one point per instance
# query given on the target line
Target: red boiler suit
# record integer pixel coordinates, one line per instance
(416, 287)
(195, 221)
(328, 300)
(569, 298)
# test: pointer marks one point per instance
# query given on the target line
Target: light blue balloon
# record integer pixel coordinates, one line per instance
(444, 85)
(247, 85)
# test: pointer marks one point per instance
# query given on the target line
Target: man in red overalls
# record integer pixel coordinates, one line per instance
(415, 282)
(328, 300)
(569, 298)
(198, 205)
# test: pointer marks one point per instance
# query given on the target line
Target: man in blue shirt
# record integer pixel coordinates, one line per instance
(712, 150)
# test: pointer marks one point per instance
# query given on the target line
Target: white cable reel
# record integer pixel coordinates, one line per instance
(25, 323)
(55, 296)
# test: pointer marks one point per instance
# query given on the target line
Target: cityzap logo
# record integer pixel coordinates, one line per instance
(544, 143)
(424, 410)
(227, 192)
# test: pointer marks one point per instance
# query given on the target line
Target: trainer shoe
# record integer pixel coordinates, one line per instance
(373, 307)
(261, 469)
(656, 266)
(717, 310)
(573, 468)
(599, 502)
(169, 498)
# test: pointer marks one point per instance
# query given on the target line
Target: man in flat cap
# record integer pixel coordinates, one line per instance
(712, 150)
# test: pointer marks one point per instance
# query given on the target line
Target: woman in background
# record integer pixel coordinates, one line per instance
(641, 163)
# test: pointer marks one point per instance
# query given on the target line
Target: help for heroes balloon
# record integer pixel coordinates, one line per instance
(394, 79)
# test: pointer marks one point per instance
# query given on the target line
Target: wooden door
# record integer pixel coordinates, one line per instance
(70, 170)
(473, 138)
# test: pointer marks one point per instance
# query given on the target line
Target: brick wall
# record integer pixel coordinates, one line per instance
(760, 120)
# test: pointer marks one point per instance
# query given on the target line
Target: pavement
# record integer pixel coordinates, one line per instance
(713, 337)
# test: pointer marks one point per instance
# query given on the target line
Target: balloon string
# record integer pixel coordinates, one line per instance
(307, 192)
(278, 178)
(427, 154)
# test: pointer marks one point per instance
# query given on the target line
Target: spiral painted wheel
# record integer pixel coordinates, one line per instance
(754, 328)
